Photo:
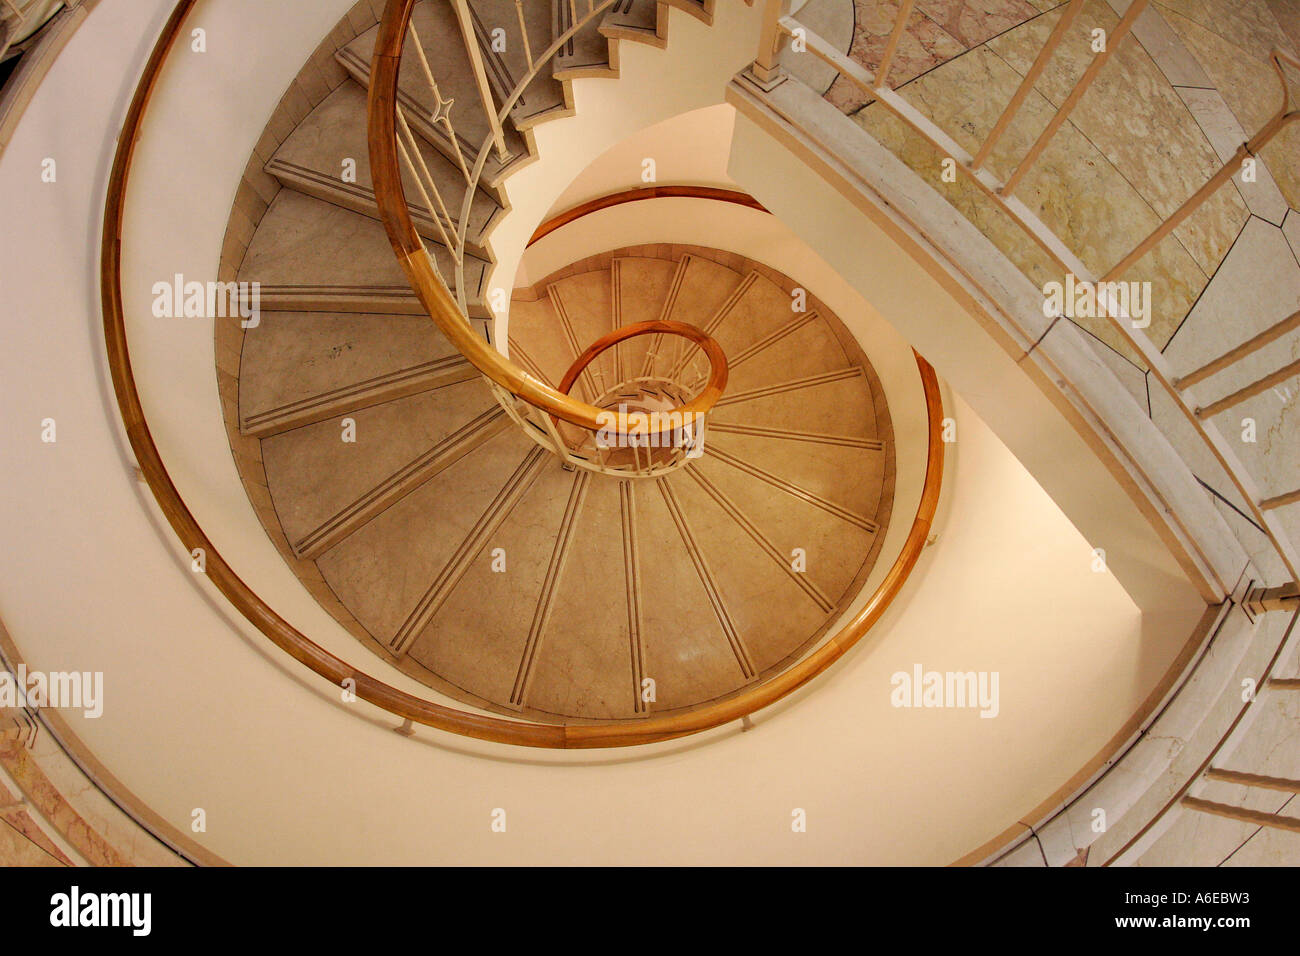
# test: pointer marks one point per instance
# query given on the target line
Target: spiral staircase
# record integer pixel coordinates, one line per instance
(494, 508)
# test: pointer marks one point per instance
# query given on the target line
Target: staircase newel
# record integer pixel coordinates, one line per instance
(766, 68)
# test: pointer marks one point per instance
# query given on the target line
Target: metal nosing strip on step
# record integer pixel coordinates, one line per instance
(794, 325)
(399, 384)
(670, 301)
(825, 378)
(706, 578)
(403, 482)
(760, 431)
(566, 324)
(546, 599)
(511, 493)
(761, 540)
(357, 192)
(852, 517)
(632, 570)
(724, 310)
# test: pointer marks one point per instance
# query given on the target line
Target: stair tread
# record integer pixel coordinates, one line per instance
(790, 522)
(544, 95)
(643, 286)
(304, 241)
(689, 665)
(840, 407)
(583, 662)
(768, 609)
(586, 51)
(535, 331)
(335, 131)
(292, 357)
(632, 15)
(383, 571)
(800, 351)
(477, 639)
(316, 474)
(587, 300)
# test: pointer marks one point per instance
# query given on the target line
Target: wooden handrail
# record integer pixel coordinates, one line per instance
(640, 194)
(717, 362)
(336, 670)
(419, 266)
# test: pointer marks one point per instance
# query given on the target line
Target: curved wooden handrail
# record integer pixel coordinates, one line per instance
(336, 670)
(641, 194)
(717, 362)
(421, 272)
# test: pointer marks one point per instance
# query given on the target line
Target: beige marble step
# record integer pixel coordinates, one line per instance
(688, 654)
(586, 53)
(304, 243)
(478, 637)
(641, 21)
(837, 402)
(332, 140)
(769, 608)
(640, 289)
(580, 661)
(537, 340)
(583, 306)
(326, 488)
(544, 98)
(297, 368)
(395, 572)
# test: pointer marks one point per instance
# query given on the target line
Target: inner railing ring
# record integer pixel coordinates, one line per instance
(386, 117)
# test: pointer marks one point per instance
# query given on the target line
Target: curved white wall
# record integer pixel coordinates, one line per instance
(201, 712)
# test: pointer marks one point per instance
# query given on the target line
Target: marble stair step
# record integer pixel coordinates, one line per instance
(328, 156)
(335, 476)
(299, 368)
(586, 53)
(496, 23)
(641, 289)
(304, 242)
(642, 21)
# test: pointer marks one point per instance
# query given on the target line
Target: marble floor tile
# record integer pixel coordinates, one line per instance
(1249, 86)
(1138, 122)
(924, 45)
(1163, 46)
(1247, 24)
(832, 20)
(1225, 134)
(1073, 188)
(1291, 229)
(1133, 378)
(1257, 286)
(973, 22)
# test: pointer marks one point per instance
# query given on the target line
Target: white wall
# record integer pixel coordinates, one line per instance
(692, 148)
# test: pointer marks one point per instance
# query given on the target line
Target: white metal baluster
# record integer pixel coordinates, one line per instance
(523, 30)
(442, 108)
(410, 150)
